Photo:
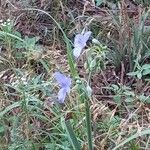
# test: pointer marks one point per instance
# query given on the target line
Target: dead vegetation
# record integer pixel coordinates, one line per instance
(120, 104)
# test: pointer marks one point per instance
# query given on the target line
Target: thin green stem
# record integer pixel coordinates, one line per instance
(66, 40)
(88, 124)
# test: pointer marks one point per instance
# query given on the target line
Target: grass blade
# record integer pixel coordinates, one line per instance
(72, 136)
(88, 124)
(11, 35)
(145, 132)
(66, 40)
(9, 108)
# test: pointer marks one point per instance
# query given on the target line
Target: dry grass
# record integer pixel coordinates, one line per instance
(113, 121)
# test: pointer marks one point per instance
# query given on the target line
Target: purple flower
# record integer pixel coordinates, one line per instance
(65, 83)
(80, 42)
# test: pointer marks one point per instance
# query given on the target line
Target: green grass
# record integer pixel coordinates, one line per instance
(108, 104)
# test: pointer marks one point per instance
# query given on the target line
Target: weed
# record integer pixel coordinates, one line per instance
(47, 96)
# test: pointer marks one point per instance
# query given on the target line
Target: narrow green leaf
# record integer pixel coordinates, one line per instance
(132, 73)
(146, 66)
(66, 40)
(144, 132)
(44, 64)
(99, 2)
(146, 72)
(72, 136)
(88, 124)
(9, 108)
(11, 35)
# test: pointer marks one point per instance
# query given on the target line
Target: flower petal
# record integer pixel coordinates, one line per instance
(62, 80)
(77, 52)
(86, 36)
(62, 95)
(80, 42)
